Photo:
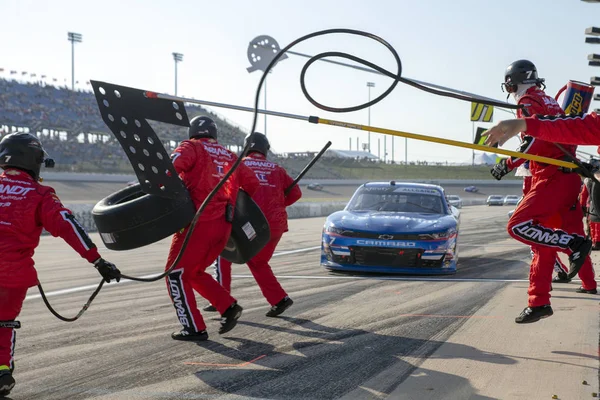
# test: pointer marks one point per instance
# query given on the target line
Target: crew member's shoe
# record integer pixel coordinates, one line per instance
(280, 307)
(534, 314)
(580, 289)
(7, 382)
(581, 248)
(561, 277)
(190, 336)
(209, 308)
(230, 317)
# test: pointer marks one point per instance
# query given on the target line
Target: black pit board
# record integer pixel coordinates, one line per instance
(125, 111)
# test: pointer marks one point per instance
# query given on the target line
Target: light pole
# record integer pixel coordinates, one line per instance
(369, 86)
(73, 38)
(177, 57)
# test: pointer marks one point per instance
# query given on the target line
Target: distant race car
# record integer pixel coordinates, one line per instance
(495, 200)
(511, 200)
(454, 200)
(471, 189)
(390, 227)
(314, 186)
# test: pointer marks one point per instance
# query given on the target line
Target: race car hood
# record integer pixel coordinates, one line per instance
(391, 222)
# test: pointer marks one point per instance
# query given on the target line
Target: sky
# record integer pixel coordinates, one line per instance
(461, 44)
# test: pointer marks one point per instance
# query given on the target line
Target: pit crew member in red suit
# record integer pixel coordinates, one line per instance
(27, 207)
(272, 200)
(535, 218)
(201, 162)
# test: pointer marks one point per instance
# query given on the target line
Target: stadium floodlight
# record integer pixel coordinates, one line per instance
(592, 40)
(597, 97)
(177, 57)
(591, 1)
(594, 63)
(593, 57)
(593, 31)
(595, 81)
(73, 38)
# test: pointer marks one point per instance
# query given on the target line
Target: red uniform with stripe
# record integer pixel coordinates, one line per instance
(201, 163)
(27, 207)
(272, 200)
(577, 130)
(551, 205)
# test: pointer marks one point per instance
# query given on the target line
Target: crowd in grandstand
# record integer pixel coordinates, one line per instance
(43, 108)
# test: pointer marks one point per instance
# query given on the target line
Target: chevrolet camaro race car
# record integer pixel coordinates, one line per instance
(390, 227)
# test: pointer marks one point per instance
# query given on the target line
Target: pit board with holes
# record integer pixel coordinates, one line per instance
(125, 111)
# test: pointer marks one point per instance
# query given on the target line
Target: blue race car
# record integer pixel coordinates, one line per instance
(390, 227)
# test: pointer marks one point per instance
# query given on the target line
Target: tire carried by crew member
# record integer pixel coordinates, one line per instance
(130, 218)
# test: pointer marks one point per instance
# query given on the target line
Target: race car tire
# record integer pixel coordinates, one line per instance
(250, 231)
(130, 218)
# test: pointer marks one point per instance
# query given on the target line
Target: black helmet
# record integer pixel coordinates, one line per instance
(258, 143)
(521, 72)
(23, 151)
(202, 127)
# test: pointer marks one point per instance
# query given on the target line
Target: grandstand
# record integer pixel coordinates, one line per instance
(72, 130)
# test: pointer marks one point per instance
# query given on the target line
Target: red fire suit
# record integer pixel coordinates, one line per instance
(535, 218)
(566, 129)
(201, 163)
(27, 207)
(272, 201)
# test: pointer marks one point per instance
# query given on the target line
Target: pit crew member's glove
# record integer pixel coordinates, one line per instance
(500, 170)
(108, 270)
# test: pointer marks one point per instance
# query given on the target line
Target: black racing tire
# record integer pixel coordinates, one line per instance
(130, 218)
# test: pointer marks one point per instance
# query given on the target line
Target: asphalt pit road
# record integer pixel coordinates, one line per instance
(312, 369)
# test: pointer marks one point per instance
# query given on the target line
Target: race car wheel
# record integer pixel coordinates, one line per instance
(130, 218)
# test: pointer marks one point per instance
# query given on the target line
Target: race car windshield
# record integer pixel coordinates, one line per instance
(397, 202)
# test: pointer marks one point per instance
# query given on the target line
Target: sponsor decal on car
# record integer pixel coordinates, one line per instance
(417, 190)
(385, 243)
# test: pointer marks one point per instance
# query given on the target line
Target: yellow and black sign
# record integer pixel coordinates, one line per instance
(481, 140)
(482, 112)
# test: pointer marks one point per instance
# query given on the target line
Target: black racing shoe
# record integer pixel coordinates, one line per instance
(190, 336)
(280, 307)
(209, 308)
(561, 277)
(230, 317)
(581, 250)
(534, 314)
(7, 382)
(580, 289)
